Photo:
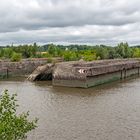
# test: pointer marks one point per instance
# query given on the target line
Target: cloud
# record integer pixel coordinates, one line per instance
(85, 21)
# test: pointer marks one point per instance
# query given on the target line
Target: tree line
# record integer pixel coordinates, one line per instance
(70, 52)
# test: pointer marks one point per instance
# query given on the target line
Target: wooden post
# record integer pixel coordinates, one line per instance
(124, 73)
(138, 71)
(121, 74)
(7, 73)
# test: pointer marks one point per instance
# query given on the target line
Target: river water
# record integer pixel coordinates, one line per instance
(107, 112)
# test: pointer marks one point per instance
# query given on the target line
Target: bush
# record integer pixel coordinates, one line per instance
(70, 56)
(49, 60)
(16, 57)
(13, 126)
(88, 55)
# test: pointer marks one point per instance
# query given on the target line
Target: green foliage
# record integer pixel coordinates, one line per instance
(124, 50)
(53, 50)
(1, 53)
(71, 52)
(102, 52)
(112, 53)
(7, 52)
(49, 60)
(26, 51)
(88, 55)
(70, 56)
(13, 126)
(136, 53)
(16, 57)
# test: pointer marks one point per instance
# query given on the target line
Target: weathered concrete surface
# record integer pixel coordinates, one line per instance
(82, 70)
(42, 73)
(86, 74)
(25, 67)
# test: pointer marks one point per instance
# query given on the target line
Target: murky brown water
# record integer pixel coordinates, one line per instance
(107, 112)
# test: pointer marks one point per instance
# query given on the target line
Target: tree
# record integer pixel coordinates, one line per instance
(102, 52)
(124, 50)
(89, 55)
(52, 49)
(120, 50)
(16, 57)
(1, 53)
(70, 56)
(136, 53)
(13, 126)
(8, 52)
(127, 50)
(111, 53)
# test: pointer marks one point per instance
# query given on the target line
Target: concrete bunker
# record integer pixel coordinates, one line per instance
(42, 73)
(86, 74)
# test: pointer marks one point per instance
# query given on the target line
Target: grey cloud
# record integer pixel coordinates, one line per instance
(69, 21)
(84, 34)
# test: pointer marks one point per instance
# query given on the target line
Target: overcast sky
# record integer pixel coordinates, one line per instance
(69, 21)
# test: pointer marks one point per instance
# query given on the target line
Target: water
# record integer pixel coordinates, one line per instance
(107, 112)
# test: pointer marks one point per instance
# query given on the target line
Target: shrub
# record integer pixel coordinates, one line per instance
(13, 126)
(49, 60)
(70, 56)
(16, 57)
(89, 55)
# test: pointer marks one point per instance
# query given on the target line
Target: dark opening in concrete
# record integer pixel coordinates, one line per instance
(44, 77)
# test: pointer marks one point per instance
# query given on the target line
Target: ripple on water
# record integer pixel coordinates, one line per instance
(107, 112)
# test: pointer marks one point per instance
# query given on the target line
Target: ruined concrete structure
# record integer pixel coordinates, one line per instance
(42, 73)
(22, 68)
(86, 74)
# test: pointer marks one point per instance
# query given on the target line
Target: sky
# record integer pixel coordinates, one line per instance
(69, 21)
